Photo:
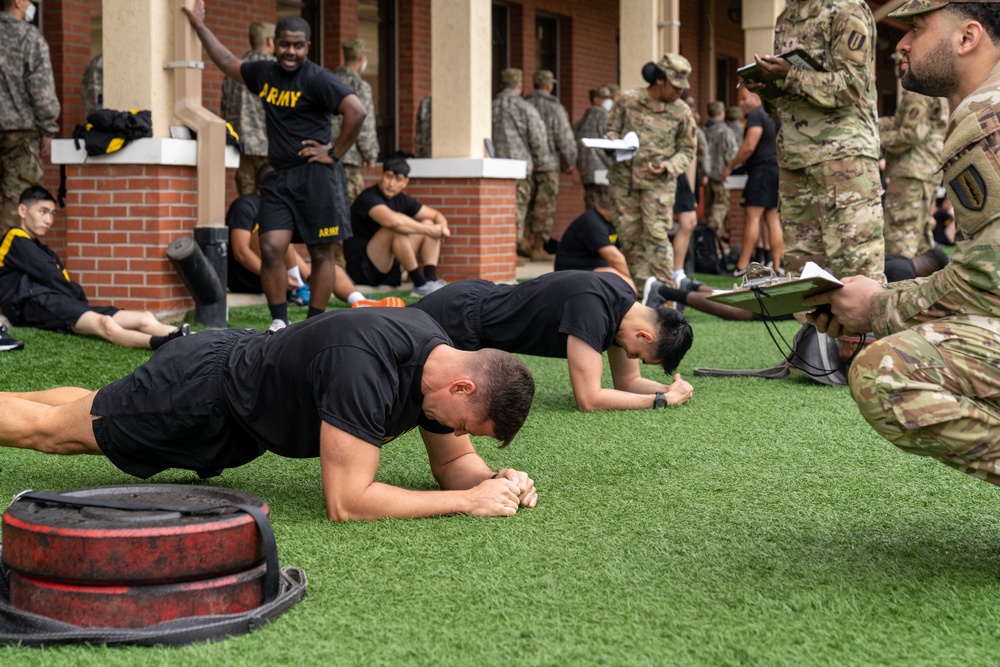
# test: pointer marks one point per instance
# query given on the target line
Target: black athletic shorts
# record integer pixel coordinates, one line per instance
(310, 200)
(684, 199)
(54, 311)
(458, 309)
(171, 412)
(762, 186)
(361, 270)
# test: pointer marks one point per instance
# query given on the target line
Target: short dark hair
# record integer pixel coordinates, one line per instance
(397, 164)
(651, 73)
(506, 389)
(34, 194)
(673, 338)
(293, 24)
(986, 13)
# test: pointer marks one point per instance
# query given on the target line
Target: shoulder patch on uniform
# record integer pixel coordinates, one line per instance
(856, 40)
(970, 189)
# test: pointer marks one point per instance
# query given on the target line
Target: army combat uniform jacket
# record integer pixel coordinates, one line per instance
(666, 134)
(914, 137)
(830, 114)
(970, 284)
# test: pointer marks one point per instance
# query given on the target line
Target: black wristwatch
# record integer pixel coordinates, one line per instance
(333, 155)
(660, 401)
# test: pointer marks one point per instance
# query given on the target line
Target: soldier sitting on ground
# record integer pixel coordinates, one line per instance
(36, 291)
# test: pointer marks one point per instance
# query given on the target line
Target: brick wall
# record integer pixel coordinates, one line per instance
(123, 217)
(480, 215)
(414, 75)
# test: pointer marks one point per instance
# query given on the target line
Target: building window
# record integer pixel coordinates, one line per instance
(501, 43)
(547, 45)
(377, 26)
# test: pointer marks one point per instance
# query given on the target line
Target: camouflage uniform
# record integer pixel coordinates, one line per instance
(93, 85)
(829, 191)
(365, 149)
(245, 112)
(642, 203)
(593, 124)
(722, 147)
(912, 140)
(561, 144)
(422, 133)
(930, 383)
(518, 134)
(736, 122)
(29, 110)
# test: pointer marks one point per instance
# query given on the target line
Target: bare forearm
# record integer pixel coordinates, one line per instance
(615, 399)
(220, 55)
(382, 501)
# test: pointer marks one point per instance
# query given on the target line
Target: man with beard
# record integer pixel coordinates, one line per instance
(929, 383)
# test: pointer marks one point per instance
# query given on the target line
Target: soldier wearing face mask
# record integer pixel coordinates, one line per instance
(365, 150)
(593, 124)
(29, 108)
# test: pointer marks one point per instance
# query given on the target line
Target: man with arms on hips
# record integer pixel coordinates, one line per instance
(929, 383)
(337, 387)
(573, 315)
(306, 196)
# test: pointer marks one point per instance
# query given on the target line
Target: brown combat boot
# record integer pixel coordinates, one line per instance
(538, 253)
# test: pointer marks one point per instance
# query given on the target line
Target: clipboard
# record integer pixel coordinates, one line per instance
(766, 293)
(798, 58)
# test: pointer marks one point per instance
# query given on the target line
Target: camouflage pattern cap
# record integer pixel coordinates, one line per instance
(677, 68)
(354, 49)
(916, 7)
(543, 77)
(603, 91)
(511, 75)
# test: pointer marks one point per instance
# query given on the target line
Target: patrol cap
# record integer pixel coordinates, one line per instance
(677, 68)
(917, 7)
(354, 48)
(603, 91)
(511, 75)
(543, 77)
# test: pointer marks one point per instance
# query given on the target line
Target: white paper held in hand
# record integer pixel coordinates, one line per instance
(624, 148)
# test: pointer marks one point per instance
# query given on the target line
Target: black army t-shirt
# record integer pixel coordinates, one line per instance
(364, 227)
(242, 214)
(358, 370)
(535, 317)
(766, 150)
(297, 105)
(580, 246)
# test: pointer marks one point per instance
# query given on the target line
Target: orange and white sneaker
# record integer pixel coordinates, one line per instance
(387, 302)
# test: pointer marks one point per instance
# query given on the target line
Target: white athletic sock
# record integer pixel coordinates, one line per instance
(354, 297)
(295, 273)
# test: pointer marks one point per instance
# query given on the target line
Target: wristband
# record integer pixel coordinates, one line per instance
(332, 155)
(660, 401)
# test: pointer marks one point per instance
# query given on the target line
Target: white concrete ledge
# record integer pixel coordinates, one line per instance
(457, 167)
(165, 151)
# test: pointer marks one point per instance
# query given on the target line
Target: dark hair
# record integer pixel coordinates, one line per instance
(506, 389)
(264, 170)
(293, 24)
(651, 73)
(397, 164)
(939, 256)
(673, 338)
(35, 194)
(986, 13)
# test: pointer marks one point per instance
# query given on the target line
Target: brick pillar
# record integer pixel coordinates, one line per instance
(736, 217)
(414, 27)
(340, 23)
(121, 218)
(480, 214)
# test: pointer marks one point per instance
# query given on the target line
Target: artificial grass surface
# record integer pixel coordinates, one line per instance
(764, 523)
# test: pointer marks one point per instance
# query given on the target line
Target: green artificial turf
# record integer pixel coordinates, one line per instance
(763, 524)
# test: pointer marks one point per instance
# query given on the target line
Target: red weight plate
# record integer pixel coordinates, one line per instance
(138, 606)
(99, 546)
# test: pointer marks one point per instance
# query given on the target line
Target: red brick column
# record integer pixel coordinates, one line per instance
(736, 217)
(119, 221)
(480, 213)
(414, 76)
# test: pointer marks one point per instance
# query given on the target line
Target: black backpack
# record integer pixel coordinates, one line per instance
(709, 252)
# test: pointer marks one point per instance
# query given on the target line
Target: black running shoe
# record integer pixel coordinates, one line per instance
(8, 342)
